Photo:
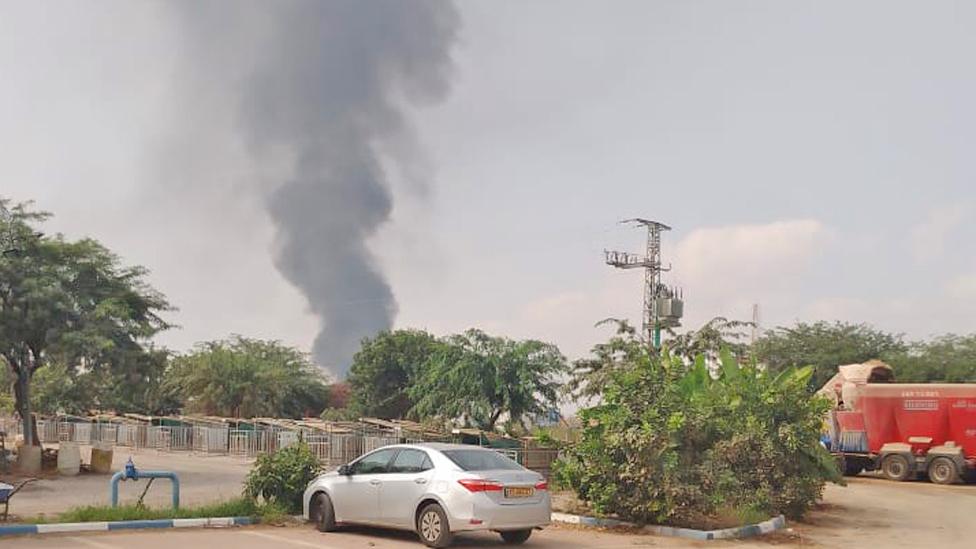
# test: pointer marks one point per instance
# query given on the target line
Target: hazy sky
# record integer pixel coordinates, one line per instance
(813, 157)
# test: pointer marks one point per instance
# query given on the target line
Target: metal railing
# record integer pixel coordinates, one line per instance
(332, 448)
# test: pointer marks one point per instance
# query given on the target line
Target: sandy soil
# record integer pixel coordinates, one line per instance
(874, 512)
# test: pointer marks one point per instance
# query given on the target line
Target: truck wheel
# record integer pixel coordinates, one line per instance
(943, 471)
(895, 467)
(853, 468)
(849, 467)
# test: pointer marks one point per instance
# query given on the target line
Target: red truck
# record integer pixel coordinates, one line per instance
(903, 429)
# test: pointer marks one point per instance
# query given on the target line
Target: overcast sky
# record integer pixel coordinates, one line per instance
(813, 157)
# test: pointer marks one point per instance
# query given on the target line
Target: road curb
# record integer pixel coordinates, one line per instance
(216, 522)
(747, 531)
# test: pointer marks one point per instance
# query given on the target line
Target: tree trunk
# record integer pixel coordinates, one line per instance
(22, 404)
(494, 419)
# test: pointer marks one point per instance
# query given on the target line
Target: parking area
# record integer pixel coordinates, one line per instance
(203, 479)
(868, 512)
(305, 536)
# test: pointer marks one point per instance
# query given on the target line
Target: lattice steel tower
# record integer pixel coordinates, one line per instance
(663, 305)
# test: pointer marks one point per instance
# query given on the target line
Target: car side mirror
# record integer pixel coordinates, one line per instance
(345, 470)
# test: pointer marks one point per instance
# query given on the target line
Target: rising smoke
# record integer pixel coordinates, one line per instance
(321, 84)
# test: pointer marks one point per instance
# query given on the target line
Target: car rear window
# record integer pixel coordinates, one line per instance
(480, 460)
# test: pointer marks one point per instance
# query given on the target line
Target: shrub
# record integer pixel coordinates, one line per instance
(280, 478)
(675, 443)
(239, 507)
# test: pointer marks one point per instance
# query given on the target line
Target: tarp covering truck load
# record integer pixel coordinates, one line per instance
(907, 430)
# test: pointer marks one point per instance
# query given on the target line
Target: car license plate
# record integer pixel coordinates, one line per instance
(519, 492)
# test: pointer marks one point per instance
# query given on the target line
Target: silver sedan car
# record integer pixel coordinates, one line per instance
(436, 490)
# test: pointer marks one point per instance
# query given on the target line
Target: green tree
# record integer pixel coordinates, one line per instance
(710, 339)
(67, 301)
(59, 390)
(477, 378)
(6, 390)
(385, 368)
(946, 359)
(591, 375)
(241, 377)
(137, 383)
(825, 346)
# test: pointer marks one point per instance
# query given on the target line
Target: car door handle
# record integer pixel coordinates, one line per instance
(420, 480)
(375, 482)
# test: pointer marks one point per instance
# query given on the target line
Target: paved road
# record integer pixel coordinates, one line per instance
(263, 537)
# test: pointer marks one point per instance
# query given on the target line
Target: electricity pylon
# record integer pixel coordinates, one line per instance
(663, 306)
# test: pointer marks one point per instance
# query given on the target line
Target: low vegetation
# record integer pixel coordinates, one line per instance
(280, 478)
(673, 442)
(240, 507)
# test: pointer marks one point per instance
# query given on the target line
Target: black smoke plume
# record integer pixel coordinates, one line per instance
(322, 84)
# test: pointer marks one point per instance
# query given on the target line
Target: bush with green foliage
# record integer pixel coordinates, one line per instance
(675, 443)
(280, 478)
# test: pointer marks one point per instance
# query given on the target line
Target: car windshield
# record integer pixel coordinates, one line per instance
(480, 460)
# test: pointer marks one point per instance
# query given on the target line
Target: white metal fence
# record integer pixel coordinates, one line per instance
(331, 448)
(210, 440)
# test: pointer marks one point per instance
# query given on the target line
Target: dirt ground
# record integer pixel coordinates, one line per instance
(874, 512)
(203, 479)
(869, 512)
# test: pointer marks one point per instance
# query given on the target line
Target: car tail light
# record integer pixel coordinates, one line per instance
(480, 485)
(542, 486)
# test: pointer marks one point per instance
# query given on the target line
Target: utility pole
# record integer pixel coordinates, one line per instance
(663, 306)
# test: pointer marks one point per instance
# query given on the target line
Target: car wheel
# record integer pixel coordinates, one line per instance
(432, 526)
(943, 471)
(895, 467)
(516, 537)
(323, 513)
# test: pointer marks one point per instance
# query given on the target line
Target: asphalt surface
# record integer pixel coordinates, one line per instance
(869, 512)
(264, 537)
